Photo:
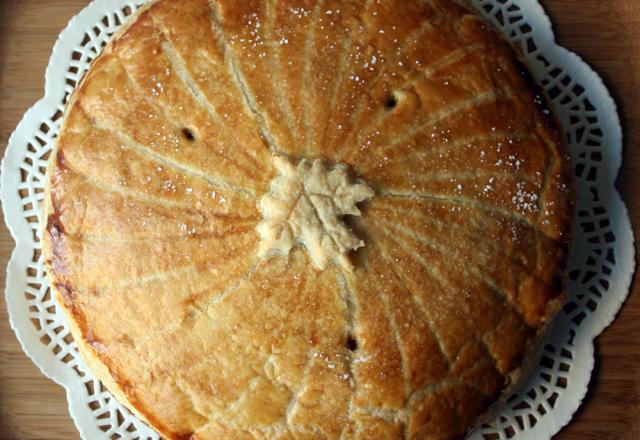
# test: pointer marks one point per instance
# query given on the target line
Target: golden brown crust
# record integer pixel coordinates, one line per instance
(152, 206)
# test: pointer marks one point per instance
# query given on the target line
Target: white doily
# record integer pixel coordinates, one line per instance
(600, 271)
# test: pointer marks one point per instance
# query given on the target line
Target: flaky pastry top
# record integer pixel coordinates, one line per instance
(297, 219)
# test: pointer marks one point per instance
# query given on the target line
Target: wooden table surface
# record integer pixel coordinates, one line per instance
(605, 33)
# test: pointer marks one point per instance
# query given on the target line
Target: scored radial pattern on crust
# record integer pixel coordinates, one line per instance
(188, 298)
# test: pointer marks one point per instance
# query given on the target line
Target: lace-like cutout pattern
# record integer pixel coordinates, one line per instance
(601, 264)
(600, 270)
(40, 325)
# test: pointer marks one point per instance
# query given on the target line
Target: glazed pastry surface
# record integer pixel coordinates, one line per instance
(308, 219)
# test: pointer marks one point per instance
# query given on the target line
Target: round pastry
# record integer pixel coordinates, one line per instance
(308, 219)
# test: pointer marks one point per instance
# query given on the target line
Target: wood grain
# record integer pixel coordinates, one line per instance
(604, 33)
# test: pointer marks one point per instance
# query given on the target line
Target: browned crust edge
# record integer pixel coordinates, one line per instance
(516, 379)
(88, 353)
